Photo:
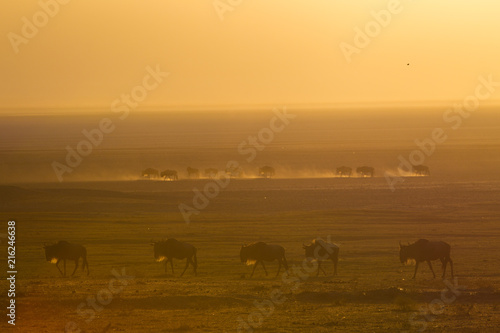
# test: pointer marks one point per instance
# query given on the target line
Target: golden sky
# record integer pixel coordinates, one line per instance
(254, 52)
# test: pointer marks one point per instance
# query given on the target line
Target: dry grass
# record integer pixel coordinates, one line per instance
(372, 292)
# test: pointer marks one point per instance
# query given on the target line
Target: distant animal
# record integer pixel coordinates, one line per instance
(365, 171)
(259, 252)
(266, 171)
(66, 251)
(344, 171)
(172, 248)
(150, 173)
(169, 175)
(320, 250)
(193, 173)
(425, 250)
(234, 172)
(211, 172)
(421, 170)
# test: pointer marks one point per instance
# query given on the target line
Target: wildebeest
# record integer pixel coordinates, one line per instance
(192, 172)
(421, 170)
(66, 251)
(260, 252)
(172, 248)
(425, 250)
(169, 174)
(150, 173)
(266, 171)
(211, 172)
(365, 171)
(320, 250)
(234, 171)
(344, 171)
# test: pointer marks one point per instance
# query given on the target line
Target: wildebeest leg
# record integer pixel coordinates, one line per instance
(335, 261)
(64, 262)
(451, 267)
(57, 265)
(416, 268)
(172, 265)
(432, 270)
(187, 264)
(444, 261)
(254, 266)
(166, 262)
(85, 263)
(265, 270)
(76, 266)
(285, 263)
(194, 267)
(319, 267)
(279, 267)
(195, 263)
(322, 269)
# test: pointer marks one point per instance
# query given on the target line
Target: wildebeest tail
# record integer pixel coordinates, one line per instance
(85, 262)
(285, 263)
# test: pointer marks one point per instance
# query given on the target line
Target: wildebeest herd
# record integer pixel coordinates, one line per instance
(258, 252)
(266, 172)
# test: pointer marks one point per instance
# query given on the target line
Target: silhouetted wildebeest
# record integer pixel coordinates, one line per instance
(424, 250)
(421, 170)
(344, 171)
(150, 173)
(266, 171)
(172, 248)
(169, 174)
(66, 251)
(211, 172)
(365, 171)
(192, 172)
(234, 171)
(320, 250)
(260, 252)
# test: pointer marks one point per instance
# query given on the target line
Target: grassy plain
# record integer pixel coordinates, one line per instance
(373, 292)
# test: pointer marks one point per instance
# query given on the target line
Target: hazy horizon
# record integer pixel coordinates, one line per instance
(312, 145)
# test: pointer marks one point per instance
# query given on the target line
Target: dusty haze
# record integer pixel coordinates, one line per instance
(312, 145)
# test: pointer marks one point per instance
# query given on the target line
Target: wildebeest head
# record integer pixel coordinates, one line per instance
(403, 253)
(309, 250)
(247, 254)
(244, 253)
(51, 253)
(160, 250)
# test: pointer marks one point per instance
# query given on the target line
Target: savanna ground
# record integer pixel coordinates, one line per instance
(373, 291)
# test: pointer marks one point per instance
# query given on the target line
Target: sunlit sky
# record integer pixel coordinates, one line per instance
(262, 52)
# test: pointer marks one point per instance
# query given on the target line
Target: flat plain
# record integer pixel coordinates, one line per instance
(104, 205)
(373, 291)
